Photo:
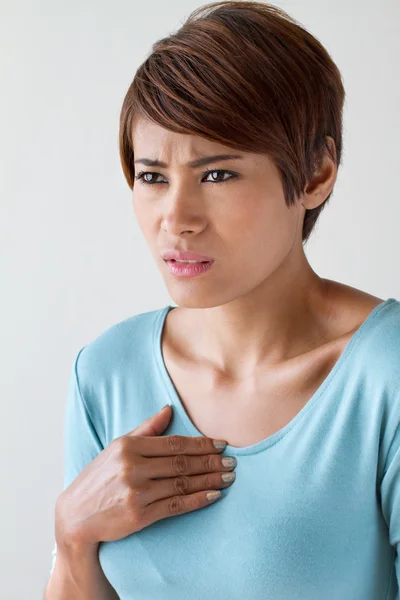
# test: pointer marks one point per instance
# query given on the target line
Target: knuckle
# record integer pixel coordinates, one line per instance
(135, 518)
(201, 443)
(176, 443)
(181, 485)
(128, 473)
(122, 444)
(209, 462)
(175, 506)
(124, 451)
(208, 482)
(131, 498)
(134, 508)
(140, 492)
(180, 463)
(124, 476)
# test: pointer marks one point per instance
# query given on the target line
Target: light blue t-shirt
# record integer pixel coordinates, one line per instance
(314, 513)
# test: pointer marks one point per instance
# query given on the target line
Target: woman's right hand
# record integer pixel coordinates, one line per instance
(139, 478)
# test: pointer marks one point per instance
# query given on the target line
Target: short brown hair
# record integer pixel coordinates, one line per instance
(249, 76)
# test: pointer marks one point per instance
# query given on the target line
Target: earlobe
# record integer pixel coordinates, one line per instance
(312, 200)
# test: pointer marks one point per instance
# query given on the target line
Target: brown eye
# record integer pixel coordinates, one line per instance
(214, 173)
(219, 171)
(141, 177)
(146, 177)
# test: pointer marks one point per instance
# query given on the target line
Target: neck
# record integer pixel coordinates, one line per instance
(281, 318)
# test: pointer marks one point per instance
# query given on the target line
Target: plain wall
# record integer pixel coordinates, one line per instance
(73, 259)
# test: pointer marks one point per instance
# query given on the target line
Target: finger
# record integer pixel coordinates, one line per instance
(177, 444)
(183, 485)
(180, 464)
(173, 506)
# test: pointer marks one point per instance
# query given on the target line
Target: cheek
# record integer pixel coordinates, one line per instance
(144, 218)
(265, 223)
(257, 238)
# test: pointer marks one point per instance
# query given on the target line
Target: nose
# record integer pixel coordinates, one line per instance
(182, 214)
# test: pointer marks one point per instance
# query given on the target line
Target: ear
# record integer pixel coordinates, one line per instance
(323, 180)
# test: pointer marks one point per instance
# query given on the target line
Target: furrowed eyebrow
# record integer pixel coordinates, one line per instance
(197, 163)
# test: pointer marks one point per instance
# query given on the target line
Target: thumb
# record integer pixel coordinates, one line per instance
(156, 424)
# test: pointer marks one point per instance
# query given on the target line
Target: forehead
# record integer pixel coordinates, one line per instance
(155, 142)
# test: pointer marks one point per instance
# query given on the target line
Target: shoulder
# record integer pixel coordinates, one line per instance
(376, 358)
(108, 372)
(380, 383)
(382, 334)
(123, 346)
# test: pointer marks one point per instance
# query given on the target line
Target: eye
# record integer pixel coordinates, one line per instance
(142, 174)
(140, 177)
(232, 175)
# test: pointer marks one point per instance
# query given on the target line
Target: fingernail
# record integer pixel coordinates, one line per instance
(214, 495)
(164, 407)
(219, 444)
(229, 461)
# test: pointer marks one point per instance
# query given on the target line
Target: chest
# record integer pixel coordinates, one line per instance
(245, 412)
(293, 525)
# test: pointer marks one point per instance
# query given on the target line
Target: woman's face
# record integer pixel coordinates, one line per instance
(236, 216)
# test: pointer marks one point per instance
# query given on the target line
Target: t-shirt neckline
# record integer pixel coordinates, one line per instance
(278, 435)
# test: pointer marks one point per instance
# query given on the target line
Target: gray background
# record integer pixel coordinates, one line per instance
(73, 260)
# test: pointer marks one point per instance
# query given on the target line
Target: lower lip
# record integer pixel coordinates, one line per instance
(188, 269)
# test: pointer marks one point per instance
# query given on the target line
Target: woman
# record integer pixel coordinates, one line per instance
(231, 139)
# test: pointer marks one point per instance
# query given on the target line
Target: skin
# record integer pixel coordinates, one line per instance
(260, 331)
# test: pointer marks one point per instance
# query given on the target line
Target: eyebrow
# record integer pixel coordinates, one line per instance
(197, 163)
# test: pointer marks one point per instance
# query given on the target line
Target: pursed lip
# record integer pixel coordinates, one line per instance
(185, 255)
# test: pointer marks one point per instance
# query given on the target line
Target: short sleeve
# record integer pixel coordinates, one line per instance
(81, 441)
(390, 497)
